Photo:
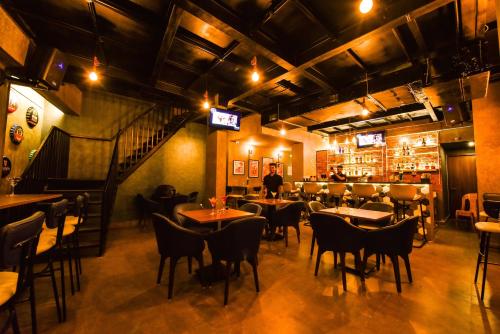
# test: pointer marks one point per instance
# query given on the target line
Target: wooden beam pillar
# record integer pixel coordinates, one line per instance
(216, 164)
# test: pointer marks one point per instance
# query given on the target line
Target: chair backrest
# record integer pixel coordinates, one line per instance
(79, 208)
(363, 190)
(315, 206)
(175, 240)
(237, 241)
(335, 233)
(287, 187)
(251, 207)
(492, 208)
(86, 205)
(146, 205)
(257, 189)
(18, 240)
(396, 239)
(289, 214)
(192, 197)
(491, 197)
(251, 196)
(311, 187)
(402, 192)
(336, 189)
(469, 203)
(380, 206)
(56, 218)
(180, 219)
(163, 190)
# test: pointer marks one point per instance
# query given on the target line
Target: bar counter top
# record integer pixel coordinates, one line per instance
(364, 182)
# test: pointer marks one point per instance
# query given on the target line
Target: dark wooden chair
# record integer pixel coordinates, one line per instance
(315, 206)
(18, 242)
(174, 242)
(251, 207)
(394, 241)
(163, 190)
(288, 215)
(335, 234)
(146, 207)
(50, 247)
(193, 197)
(236, 242)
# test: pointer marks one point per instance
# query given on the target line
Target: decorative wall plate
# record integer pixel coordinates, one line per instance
(31, 155)
(31, 117)
(16, 134)
(6, 166)
(12, 104)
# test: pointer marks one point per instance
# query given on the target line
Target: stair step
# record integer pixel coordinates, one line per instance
(84, 229)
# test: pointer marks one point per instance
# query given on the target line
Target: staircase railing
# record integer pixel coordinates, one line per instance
(146, 133)
(51, 160)
(109, 195)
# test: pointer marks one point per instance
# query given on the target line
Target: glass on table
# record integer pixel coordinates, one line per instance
(213, 203)
(13, 180)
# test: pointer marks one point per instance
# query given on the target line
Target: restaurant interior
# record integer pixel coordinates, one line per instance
(331, 166)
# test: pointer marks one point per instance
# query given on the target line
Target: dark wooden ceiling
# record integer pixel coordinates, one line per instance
(315, 57)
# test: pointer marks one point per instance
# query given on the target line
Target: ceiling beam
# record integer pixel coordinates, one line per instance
(231, 24)
(376, 115)
(417, 34)
(354, 36)
(132, 10)
(356, 59)
(473, 18)
(402, 45)
(219, 59)
(273, 9)
(173, 17)
(376, 102)
(311, 14)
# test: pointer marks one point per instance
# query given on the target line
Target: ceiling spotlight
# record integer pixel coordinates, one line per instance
(365, 6)
(365, 112)
(93, 76)
(282, 131)
(255, 76)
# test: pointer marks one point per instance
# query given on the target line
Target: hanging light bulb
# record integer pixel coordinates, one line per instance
(365, 112)
(365, 6)
(282, 131)
(353, 140)
(255, 73)
(206, 105)
(346, 140)
(93, 76)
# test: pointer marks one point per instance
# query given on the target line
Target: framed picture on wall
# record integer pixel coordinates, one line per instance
(279, 168)
(238, 167)
(265, 166)
(253, 168)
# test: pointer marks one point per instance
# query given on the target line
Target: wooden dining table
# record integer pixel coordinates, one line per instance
(206, 216)
(11, 201)
(270, 201)
(363, 214)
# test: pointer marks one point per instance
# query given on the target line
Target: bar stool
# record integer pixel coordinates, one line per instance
(362, 192)
(483, 216)
(336, 192)
(311, 190)
(401, 194)
(492, 209)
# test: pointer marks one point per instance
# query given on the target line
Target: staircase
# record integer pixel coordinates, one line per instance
(146, 134)
(133, 145)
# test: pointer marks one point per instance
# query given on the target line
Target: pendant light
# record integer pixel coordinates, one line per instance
(206, 105)
(255, 72)
(365, 6)
(93, 75)
(283, 130)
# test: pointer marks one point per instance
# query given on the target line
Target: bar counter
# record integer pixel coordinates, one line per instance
(424, 189)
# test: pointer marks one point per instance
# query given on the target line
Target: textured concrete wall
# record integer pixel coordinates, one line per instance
(179, 162)
(486, 115)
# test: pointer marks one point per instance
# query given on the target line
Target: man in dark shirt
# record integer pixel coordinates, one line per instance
(272, 182)
(339, 176)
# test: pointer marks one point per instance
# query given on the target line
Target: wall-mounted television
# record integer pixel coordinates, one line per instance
(370, 139)
(224, 119)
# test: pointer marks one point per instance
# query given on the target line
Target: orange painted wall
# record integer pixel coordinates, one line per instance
(486, 115)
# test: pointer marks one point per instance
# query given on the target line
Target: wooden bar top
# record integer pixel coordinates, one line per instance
(204, 216)
(371, 215)
(9, 201)
(270, 201)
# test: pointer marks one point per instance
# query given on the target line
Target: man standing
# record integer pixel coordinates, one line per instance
(273, 182)
(339, 176)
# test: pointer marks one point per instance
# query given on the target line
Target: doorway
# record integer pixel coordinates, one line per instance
(461, 178)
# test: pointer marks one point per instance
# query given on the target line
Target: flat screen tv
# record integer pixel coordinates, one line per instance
(370, 139)
(224, 119)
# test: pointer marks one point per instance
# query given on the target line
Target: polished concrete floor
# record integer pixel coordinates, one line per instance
(119, 293)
